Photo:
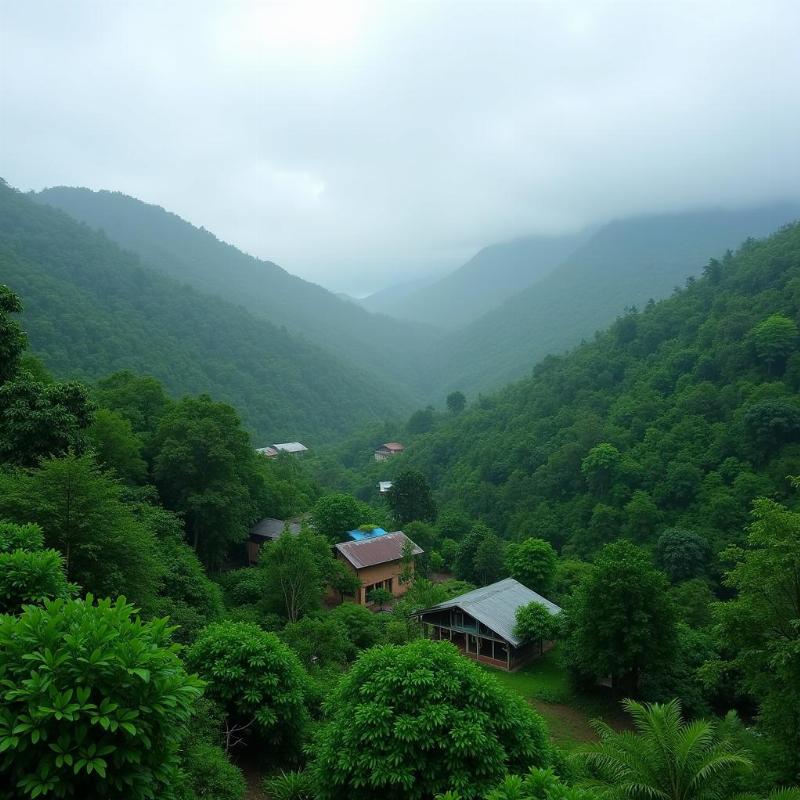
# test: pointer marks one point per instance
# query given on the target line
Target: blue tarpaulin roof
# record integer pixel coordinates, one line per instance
(357, 536)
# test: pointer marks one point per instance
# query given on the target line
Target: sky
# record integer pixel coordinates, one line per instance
(361, 144)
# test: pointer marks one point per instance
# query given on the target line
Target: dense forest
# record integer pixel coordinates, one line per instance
(642, 482)
(92, 309)
(193, 256)
(623, 264)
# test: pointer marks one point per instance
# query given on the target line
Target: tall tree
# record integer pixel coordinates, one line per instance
(410, 498)
(335, 514)
(760, 626)
(206, 469)
(620, 621)
(12, 338)
(533, 563)
(456, 402)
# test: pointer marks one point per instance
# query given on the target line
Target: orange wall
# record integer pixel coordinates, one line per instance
(380, 572)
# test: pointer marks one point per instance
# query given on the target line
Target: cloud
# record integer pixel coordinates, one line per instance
(361, 143)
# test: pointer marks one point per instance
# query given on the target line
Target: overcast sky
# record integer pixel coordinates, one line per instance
(358, 144)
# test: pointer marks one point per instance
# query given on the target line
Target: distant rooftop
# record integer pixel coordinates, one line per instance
(384, 486)
(291, 447)
(271, 528)
(377, 550)
(496, 606)
(393, 446)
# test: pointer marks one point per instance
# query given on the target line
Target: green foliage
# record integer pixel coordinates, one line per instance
(535, 623)
(479, 558)
(30, 577)
(418, 719)
(421, 421)
(533, 563)
(410, 498)
(102, 715)
(139, 399)
(620, 621)
(380, 597)
(116, 446)
(682, 554)
(209, 774)
(319, 641)
(361, 625)
(456, 402)
(538, 784)
(665, 758)
(773, 340)
(83, 514)
(335, 514)
(600, 466)
(255, 678)
(206, 469)
(290, 786)
(12, 339)
(93, 309)
(760, 626)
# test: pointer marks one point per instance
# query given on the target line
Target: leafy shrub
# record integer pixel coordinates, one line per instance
(290, 786)
(102, 714)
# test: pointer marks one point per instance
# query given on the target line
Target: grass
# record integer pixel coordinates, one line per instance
(543, 683)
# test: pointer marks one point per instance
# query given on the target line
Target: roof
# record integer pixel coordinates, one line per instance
(392, 446)
(384, 486)
(496, 606)
(270, 528)
(267, 451)
(291, 447)
(378, 550)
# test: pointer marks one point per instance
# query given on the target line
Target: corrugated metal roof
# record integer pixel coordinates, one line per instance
(496, 606)
(380, 550)
(291, 447)
(270, 528)
(391, 446)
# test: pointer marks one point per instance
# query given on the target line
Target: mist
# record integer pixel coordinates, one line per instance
(364, 144)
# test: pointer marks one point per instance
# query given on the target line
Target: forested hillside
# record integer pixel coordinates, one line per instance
(679, 415)
(493, 275)
(91, 309)
(196, 257)
(624, 264)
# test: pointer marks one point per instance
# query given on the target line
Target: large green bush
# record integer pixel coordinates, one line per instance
(413, 720)
(94, 702)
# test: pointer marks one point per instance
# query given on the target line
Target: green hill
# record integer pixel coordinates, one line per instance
(91, 309)
(493, 275)
(623, 264)
(678, 415)
(196, 257)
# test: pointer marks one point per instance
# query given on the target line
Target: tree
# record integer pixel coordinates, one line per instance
(535, 623)
(538, 784)
(257, 680)
(774, 339)
(620, 621)
(760, 626)
(682, 554)
(380, 597)
(117, 447)
(410, 498)
(453, 525)
(772, 423)
(464, 564)
(489, 560)
(533, 563)
(28, 572)
(206, 469)
(104, 714)
(362, 626)
(426, 720)
(292, 574)
(667, 758)
(643, 516)
(600, 465)
(139, 399)
(335, 514)
(41, 419)
(319, 641)
(12, 339)
(82, 512)
(420, 421)
(456, 402)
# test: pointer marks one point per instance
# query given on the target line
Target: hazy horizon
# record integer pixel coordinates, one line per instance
(361, 145)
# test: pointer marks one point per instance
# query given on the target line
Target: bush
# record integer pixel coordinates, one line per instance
(103, 714)
(289, 786)
(410, 721)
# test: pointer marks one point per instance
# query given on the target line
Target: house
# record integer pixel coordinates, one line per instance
(268, 530)
(273, 450)
(388, 450)
(377, 562)
(384, 486)
(481, 623)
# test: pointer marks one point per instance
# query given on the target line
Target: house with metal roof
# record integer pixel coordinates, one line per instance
(388, 450)
(378, 562)
(268, 530)
(481, 623)
(274, 450)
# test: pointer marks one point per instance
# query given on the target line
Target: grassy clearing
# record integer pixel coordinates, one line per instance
(543, 683)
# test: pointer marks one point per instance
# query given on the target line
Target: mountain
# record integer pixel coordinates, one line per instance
(677, 416)
(624, 264)
(493, 275)
(196, 257)
(92, 308)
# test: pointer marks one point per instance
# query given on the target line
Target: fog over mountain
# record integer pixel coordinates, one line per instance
(365, 144)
